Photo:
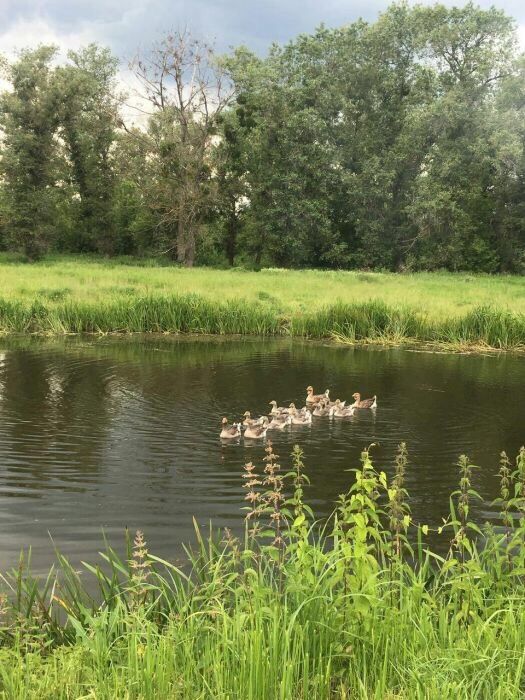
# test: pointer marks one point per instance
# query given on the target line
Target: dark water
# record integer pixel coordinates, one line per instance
(108, 434)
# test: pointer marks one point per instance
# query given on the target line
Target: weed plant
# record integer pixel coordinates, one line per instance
(356, 607)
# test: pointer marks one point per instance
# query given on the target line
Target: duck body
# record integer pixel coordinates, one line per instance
(364, 403)
(279, 422)
(229, 432)
(256, 432)
(248, 420)
(321, 410)
(299, 418)
(336, 406)
(343, 412)
(315, 398)
(278, 410)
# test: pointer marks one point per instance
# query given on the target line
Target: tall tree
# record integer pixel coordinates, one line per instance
(187, 88)
(28, 120)
(89, 116)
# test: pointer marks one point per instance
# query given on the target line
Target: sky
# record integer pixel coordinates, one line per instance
(128, 26)
(125, 25)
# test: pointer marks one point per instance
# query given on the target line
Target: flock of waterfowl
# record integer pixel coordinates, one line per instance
(279, 417)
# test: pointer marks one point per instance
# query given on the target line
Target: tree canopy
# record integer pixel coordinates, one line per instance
(397, 144)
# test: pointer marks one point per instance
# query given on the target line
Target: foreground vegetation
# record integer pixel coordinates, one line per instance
(75, 295)
(360, 607)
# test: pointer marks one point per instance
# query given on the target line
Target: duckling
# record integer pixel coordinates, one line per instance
(230, 431)
(277, 410)
(337, 402)
(322, 409)
(299, 418)
(301, 411)
(343, 411)
(279, 422)
(364, 403)
(248, 420)
(335, 406)
(256, 432)
(315, 398)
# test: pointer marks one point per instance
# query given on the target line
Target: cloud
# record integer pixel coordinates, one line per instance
(123, 25)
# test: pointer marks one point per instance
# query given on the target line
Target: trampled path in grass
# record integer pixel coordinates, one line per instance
(66, 294)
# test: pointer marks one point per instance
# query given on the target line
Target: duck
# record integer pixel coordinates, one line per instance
(292, 408)
(337, 402)
(364, 403)
(342, 411)
(228, 431)
(299, 418)
(322, 409)
(279, 422)
(335, 406)
(257, 432)
(315, 398)
(248, 420)
(277, 410)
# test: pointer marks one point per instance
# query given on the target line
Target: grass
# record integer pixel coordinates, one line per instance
(74, 295)
(359, 607)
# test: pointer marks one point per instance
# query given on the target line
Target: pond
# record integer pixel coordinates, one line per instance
(100, 435)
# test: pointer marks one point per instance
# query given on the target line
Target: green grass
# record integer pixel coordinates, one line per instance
(74, 295)
(358, 608)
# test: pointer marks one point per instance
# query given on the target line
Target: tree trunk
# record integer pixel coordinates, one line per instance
(185, 244)
(231, 236)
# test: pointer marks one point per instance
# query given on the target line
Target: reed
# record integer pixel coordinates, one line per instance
(369, 322)
(68, 294)
(293, 609)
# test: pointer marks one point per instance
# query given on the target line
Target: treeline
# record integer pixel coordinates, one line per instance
(398, 144)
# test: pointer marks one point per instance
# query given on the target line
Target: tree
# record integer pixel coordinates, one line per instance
(88, 123)
(28, 119)
(188, 90)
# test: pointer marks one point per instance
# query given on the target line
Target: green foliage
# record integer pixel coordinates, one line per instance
(331, 610)
(395, 145)
(88, 120)
(28, 119)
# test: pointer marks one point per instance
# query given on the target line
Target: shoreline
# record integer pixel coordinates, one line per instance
(407, 344)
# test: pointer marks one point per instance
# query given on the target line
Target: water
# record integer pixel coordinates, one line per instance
(100, 435)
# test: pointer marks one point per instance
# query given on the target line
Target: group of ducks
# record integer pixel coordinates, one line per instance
(279, 418)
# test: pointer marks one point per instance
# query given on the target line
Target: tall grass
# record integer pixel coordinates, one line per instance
(367, 322)
(358, 607)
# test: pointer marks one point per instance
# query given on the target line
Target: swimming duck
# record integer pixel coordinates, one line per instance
(248, 420)
(279, 422)
(364, 403)
(277, 410)
(337, 402)
(335, 406)
(322, 409)
(343, 411)
(256, 432)
(230, 431)
(299, 418)
(315, 398)
(301, 411)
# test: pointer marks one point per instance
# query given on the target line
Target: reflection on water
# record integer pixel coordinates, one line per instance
(109, 434)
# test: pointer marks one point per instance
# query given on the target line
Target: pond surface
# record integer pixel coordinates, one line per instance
(100, 435)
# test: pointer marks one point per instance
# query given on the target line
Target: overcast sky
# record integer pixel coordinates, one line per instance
(125, 24)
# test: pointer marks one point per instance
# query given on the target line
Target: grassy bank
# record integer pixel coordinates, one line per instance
(73, 295)
(358, 609)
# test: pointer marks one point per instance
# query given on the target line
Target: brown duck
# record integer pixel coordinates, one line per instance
(230, 431)
(363, 403)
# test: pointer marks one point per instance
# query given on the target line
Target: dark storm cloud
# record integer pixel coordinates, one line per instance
(125, 24)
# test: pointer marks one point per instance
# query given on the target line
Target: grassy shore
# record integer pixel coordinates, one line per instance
(73, 295)
(358, 609)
